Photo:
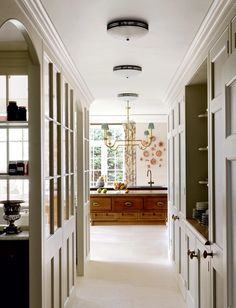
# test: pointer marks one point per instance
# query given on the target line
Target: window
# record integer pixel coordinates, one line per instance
(104, 161)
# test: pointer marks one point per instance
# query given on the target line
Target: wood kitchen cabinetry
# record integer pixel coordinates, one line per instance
(133, 208)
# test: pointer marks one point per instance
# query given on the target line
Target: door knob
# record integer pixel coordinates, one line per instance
(206, 254)
(192, 254)
(174, 217)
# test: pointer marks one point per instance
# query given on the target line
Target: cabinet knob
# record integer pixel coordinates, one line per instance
(96, 204)
(175, 217)
(128, 203)
(159, 203)
(191, 254)
(206, 254)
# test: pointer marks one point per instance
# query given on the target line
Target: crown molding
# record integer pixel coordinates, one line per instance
(198, 48)
(35, 11)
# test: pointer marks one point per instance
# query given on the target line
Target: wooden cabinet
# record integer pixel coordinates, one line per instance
(134, 208)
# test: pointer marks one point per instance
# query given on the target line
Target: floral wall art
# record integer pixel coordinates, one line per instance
(154, 157)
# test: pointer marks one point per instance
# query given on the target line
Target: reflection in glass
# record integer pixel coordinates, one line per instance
(46, 148)
(47, 207)
(55, 204)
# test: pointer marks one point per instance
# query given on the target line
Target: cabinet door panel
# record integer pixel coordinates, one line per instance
(218, 56)
(191, 274)
(203, 277)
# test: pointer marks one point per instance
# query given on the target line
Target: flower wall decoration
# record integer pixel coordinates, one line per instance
(153, 157)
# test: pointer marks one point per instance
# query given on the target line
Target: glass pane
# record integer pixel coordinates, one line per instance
(3, 110)
(55, 204)
(71, 152)
(15, 151)
(47, 207)
(19, 190)
(3, 160)
(3, 134)
(64, 196)
(46, 148)
(3, 190)
(97, 164)
(72, 197)
(46, 88)
(15, 134)
(25, 134)
(25, 151)
(110, 163)
(55, 148)
(18, 90)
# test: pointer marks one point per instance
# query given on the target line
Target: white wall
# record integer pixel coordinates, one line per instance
(149, 158)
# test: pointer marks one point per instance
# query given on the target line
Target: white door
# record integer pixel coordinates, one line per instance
(59, 189)
(229, 192)
(218, 57)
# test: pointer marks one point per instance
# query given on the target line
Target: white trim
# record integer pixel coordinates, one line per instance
(44, 26)
(198, 48)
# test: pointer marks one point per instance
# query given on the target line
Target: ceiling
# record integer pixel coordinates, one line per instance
(81, 25)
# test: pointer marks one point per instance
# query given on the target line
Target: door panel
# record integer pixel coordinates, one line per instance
(218, 57)
(229, 107)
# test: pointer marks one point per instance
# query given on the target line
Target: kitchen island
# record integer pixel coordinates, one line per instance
(143, 207)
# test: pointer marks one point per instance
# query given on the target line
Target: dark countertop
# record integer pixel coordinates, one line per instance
(135, 188)
(122, 193)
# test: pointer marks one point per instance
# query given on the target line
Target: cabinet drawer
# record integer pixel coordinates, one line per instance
(104, 216)
(127, 204)
(100, 204)
(153, 215)
(129, 216)
(155, 203)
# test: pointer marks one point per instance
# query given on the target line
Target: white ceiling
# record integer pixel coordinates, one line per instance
(82, 27)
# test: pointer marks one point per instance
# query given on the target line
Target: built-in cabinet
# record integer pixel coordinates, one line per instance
(202, 155)
(132, 208)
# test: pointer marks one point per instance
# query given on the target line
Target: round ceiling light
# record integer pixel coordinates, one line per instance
(127, 70)
(127, 29)
(127, 96)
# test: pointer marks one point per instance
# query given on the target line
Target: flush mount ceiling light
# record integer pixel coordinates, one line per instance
(127, 28)
(127, 96)
(127, 70)
(113, 143)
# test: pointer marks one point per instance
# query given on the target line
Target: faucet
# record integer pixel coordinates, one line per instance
(149, 172)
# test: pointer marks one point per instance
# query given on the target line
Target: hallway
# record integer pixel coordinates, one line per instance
(129, 268)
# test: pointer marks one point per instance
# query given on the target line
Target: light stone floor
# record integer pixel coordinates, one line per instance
(129, 268)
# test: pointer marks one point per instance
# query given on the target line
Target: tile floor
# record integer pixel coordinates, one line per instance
(129, 268)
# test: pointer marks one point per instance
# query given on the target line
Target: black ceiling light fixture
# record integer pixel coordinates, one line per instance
(127, 71)
(127, 28)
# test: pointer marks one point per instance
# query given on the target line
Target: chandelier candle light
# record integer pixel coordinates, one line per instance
(129, 141)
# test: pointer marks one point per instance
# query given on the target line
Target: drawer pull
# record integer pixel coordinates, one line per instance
(128, 203)
(96, 204)
(159, 203)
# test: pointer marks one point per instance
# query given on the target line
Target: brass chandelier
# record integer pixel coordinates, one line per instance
(129, 141)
